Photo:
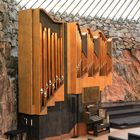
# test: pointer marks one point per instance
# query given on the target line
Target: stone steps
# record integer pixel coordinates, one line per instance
(123, 114)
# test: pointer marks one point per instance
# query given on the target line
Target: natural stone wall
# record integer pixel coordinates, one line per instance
(8, 64)
(126, 55)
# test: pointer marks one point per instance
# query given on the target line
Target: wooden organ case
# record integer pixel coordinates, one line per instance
(89, 61)
(41, 66)
(57, 60)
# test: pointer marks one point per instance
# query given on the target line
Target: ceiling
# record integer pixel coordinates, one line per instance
(109, 9)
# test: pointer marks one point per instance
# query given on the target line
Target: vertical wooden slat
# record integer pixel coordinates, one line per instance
(49, 61)
(97, 52)
(84, 54)
(41, 68)
(91, 47)
(77, 53)
(90, 56)
(105, 57)
(109, 53)
(61, 60)
(102, 55)
(52, 63)
(56, 60)
(45, 77)
(79, 50)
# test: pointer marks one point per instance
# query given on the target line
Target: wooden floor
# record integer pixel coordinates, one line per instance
(114, 132)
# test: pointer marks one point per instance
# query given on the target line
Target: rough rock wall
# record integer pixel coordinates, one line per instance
(8, 64)
(126, 59)
(126, 55)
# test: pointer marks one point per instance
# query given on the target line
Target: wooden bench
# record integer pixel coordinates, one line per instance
(114, 138)
(132, 136)
(15, 134)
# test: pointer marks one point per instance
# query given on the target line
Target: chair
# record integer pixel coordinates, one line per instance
(95, 122)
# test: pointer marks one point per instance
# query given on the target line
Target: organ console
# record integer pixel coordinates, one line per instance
(50, 50)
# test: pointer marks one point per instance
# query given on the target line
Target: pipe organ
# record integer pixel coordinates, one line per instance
(54, 56)
(93, 51)
(57, 62)
(41, 56)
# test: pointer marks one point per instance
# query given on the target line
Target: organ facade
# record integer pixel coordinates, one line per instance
(57, 61)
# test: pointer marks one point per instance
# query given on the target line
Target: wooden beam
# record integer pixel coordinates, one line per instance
(25, 67)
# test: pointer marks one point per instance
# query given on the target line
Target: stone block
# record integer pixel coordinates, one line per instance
(1, 26)
(137, 39)
(13, 15)
(1, 35)
(3, 7)
(5, 49)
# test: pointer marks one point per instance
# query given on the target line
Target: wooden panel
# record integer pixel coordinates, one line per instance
(36, 61)
(45, 78)
(71, 58)
(56, 59)
(84, 44)
(96, 63)
(100, 42)
(84, 65)
(49, 62)
(52, 63)
(25, 63)
(59, 60)
(96, 45)
(96, 51)
(84, 54)
(62, 60)
(90, 57)
(109, 55)
(109, 46)
(41, 68)
(79, 52)
(97, 80)
(91, 95)
(59, 97)
(103, 57)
